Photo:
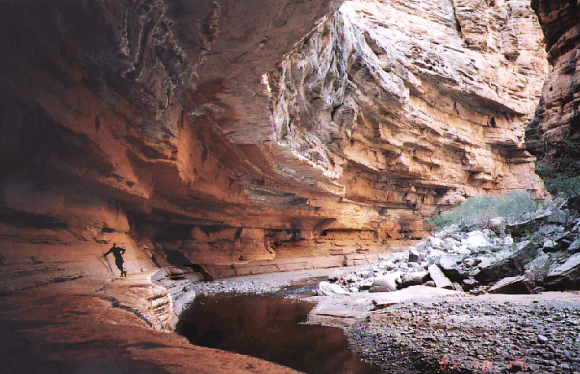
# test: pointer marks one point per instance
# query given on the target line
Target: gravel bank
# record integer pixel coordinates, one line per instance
(534, 334)
(241, 286)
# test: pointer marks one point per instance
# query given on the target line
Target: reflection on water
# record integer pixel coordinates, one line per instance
(269, 328)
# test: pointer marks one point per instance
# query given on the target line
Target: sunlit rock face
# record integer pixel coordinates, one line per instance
(557, 120)
(216, 133)
(414, 98)
(411, 105)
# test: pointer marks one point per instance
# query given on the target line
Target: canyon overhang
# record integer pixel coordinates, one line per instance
(256, 136)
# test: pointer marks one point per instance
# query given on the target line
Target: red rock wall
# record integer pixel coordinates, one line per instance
(554, 134)
(150, 122)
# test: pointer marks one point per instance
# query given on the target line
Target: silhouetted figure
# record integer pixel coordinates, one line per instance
(117, 252)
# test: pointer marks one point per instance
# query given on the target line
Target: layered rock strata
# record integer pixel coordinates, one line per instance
(553, 134)
(214, 132)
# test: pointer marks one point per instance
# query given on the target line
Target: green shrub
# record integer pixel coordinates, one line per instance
(561, 171)
(560, 180)
(477, 210)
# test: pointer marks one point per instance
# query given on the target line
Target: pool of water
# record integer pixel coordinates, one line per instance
(270, 328)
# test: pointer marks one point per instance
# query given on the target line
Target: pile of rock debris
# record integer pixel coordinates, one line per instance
(526, 254)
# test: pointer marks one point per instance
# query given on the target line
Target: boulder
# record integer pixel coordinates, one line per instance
(476, 240)
(441, 281)
(464, 251)
(469, 284)
(445, 232)
(366, 284)
(507, 241)
(434, 256)
(399, 257)
(457, 237)
(388, 265)
(350, 278)
(414, 278)
(549, 244)
(414, 266)
(329, 289)
(576, 227)
(469, 262)
(508, 262)
(537, 269)
(561, 216)
(512, 285)
(565, 276)
(335, 275)
(496, 224)
(448, 263)
(574, 246)
(551, 230)
(450, 244)
(522, 228)
(387, 283)
(414, 255)
(435, 242)
(364, 274)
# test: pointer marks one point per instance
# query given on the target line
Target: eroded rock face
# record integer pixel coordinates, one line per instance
(191, 129)
(415, 106)
(553, 134)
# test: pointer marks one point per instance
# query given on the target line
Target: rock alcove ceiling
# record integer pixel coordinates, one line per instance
(254, 136)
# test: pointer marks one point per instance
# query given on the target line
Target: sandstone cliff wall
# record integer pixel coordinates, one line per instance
(214, 132)
(553, 135)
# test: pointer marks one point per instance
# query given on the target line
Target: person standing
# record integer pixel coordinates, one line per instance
(117, 252)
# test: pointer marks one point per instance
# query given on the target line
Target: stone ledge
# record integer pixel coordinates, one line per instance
(290, 264)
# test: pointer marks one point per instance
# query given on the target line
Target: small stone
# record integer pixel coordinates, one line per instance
(476, 240)
(435, 242)
(388, 265)
(549, 244)
(564, 366)
(542, 339)
(364, 274)
(495, 223)
(574, 246)
(470, 262)
(386, 283)
(414, 255)
(329, 289)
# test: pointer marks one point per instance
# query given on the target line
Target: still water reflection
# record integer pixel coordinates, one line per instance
(270, 328)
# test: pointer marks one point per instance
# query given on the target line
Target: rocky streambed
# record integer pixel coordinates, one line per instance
(501, 314)
(526, 254)
(496, 298)
(492, 333)
(423, 329)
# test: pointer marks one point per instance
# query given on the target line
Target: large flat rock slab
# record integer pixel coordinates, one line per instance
(345, 310)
